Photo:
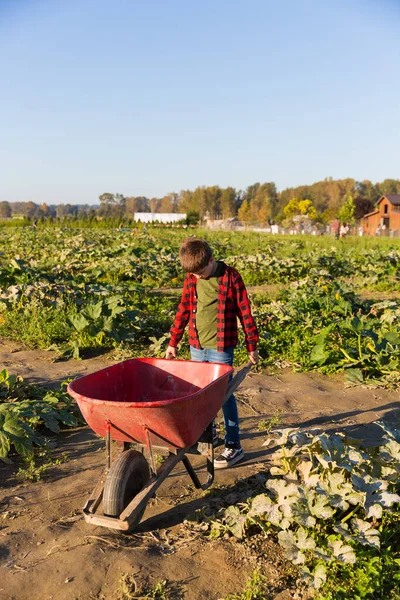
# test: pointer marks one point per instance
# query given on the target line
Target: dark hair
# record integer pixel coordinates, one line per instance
(194, 255)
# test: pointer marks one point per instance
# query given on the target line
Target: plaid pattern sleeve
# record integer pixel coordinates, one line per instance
(182, 314)
(233, 303)
(243, 311)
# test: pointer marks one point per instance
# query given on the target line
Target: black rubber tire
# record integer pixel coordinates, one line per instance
(126, 478)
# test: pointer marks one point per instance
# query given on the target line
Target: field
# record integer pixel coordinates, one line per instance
(72, 301)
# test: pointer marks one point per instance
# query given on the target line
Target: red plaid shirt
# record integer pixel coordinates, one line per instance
(233, 302)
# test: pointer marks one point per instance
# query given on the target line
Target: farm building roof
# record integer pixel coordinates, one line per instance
(393, 198)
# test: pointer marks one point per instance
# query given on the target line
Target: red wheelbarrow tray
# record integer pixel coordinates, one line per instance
(154, 401)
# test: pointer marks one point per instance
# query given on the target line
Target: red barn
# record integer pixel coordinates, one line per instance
(385, 220)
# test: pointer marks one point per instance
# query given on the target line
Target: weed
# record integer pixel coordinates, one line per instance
(268, 424)
(256, 589)
(159, 459)
(132, 589)
(41, 462)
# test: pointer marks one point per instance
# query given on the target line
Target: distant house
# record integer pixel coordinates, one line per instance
(159, 217)
(385, 220)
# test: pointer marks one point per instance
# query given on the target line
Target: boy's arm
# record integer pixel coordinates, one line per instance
(245, 316)
(182, 316)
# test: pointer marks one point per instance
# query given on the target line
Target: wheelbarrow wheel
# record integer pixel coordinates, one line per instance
(126, 478)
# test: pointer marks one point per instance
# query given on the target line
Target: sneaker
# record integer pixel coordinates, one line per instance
(229, 457)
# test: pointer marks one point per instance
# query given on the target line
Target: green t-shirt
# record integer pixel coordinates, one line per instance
(207, 305)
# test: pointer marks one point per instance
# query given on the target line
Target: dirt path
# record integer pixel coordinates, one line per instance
(48, 552)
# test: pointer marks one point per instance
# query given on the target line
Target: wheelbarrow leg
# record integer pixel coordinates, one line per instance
(193, 474)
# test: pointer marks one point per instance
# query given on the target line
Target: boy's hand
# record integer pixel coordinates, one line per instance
(253, 356)
(171, 353)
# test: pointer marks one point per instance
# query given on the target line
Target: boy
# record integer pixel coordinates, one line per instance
(213, 297)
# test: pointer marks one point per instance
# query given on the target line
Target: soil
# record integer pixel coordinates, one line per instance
(47, 550)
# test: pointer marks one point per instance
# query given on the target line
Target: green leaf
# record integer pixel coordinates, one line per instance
(76, 349)
(235, 521)
(51, 423)
(12, 425)
(319, 575)
(356, 324)
(4, 445)
(386, 499)
(391, 451)
(305, 469)
(260, 505)
(78, 322)
(392, 337)
(294, 543)
(319, 505)
(12, 380)
(354, 376)
(108, 324)
(67, 418)
(392, 433)
(342, 552)
(23, 446)
(318, 354)
(93, 311)
(366, 534)
(286, 493)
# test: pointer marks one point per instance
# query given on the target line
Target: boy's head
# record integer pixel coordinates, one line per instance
(196, 257)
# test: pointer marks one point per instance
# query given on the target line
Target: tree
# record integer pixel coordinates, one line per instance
(244, 213)
(213, 199)
(199, 199)
(185, 202)
(29, 209)
(306, 208)
(5, 210)
(292, 208)
(45, 210)
(130, 206)
(119, 207)
(300, 207)
(264, 215)
(250, 192)
(169, 203)
(228, 202)
(347, 210)
(192, 218)
(60, 211)
(388, 187)
(362, 207)
(155, 205)
(107, 202)
(367, 191)
(263, 205)
(136, 204)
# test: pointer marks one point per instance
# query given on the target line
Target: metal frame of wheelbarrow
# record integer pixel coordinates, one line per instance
(131, 515)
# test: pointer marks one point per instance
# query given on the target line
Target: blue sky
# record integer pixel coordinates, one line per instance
(152, 96)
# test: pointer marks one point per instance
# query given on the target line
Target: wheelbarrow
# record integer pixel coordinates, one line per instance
(156, 404)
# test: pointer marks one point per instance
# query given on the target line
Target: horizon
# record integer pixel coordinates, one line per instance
(145, 100)
(97, 203)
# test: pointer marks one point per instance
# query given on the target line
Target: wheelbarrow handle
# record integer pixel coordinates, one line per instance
(237, 380)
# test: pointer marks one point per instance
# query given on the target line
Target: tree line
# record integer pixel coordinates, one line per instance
(259, 203)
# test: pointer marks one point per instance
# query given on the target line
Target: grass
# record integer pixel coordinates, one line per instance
(37, 326)
(37, 466)
(257, 588)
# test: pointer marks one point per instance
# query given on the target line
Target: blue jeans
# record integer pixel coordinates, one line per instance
(229, 409)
